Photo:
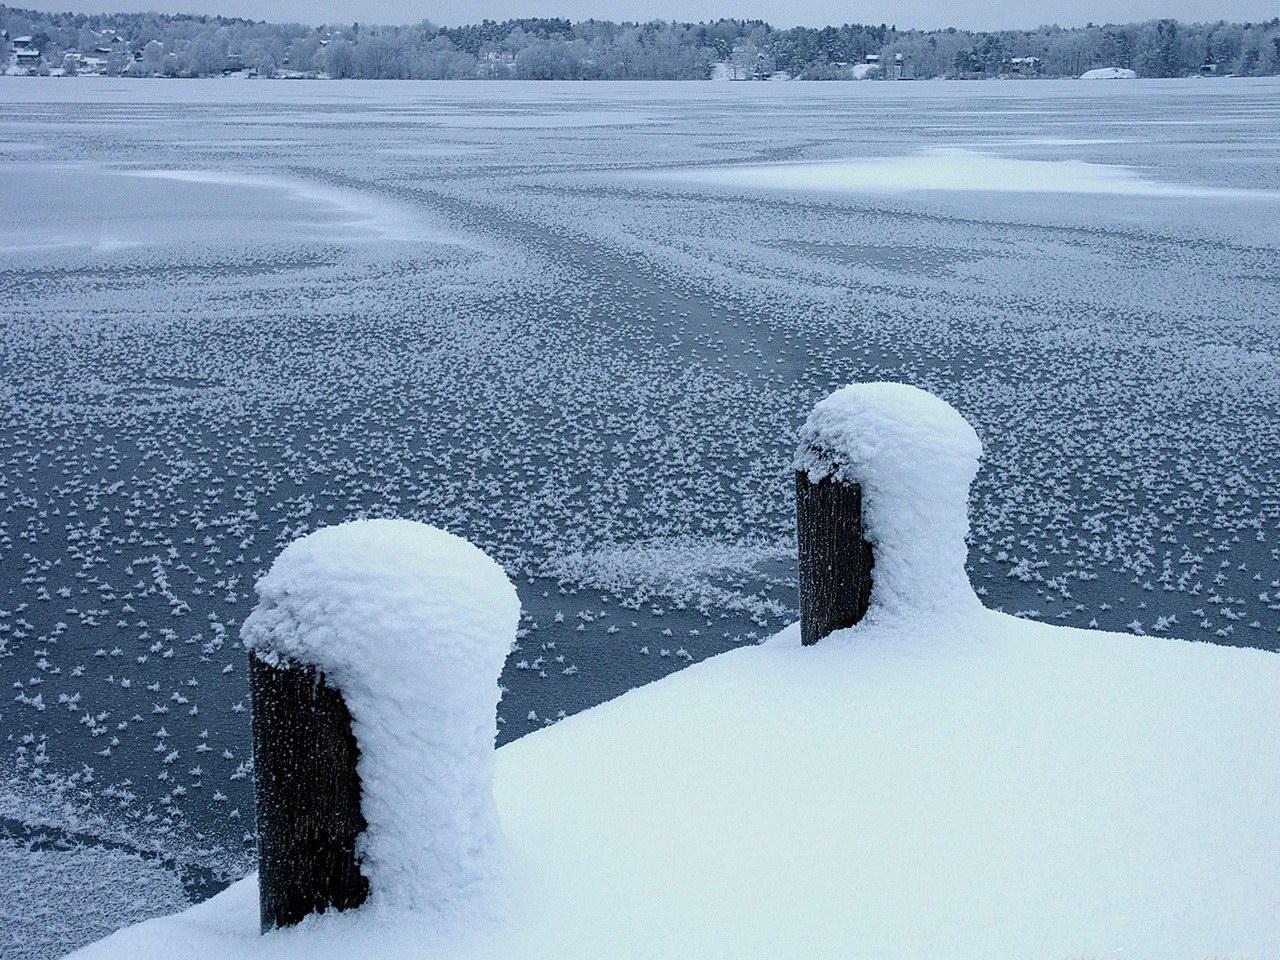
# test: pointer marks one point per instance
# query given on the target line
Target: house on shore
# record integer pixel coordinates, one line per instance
(25, 59)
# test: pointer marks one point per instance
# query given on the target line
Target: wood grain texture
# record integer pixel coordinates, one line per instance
(835, 558)
(308, 795)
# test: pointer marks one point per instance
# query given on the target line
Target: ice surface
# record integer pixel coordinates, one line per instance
(1003, 788)
(412, 624)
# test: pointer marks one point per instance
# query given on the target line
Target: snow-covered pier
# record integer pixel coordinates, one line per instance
(936, 779)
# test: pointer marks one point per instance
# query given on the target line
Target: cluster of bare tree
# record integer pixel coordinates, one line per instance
(189, 46)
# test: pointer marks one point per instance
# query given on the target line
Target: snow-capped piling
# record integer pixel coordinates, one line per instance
(882, 489)
(376, 648)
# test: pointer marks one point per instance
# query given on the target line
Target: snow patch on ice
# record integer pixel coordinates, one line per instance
(103, 210)
(567, 119)
(915, 457)
(1109, 73)
(56, 900)
(488, 118)
(412, 624)
(705, 573)
(954, 170)
(366, 217)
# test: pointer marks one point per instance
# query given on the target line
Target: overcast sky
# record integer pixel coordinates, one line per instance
(974, 14)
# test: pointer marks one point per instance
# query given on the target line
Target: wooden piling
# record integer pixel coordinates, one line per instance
(835, 558)
(308, 795)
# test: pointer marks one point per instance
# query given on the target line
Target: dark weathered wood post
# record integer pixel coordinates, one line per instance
(835, 559)
(308, 795)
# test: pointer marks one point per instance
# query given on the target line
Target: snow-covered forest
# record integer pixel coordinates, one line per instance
(557, 49)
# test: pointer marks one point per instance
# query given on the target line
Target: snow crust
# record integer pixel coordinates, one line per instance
(915, 457)
(412, 624)
(1005, 789)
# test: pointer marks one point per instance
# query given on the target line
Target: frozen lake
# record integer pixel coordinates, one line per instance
(579, 324)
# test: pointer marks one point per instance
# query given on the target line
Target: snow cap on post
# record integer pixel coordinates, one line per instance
(914, 457)
(412, 625)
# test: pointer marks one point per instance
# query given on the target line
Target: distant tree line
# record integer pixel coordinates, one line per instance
(556, 49)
